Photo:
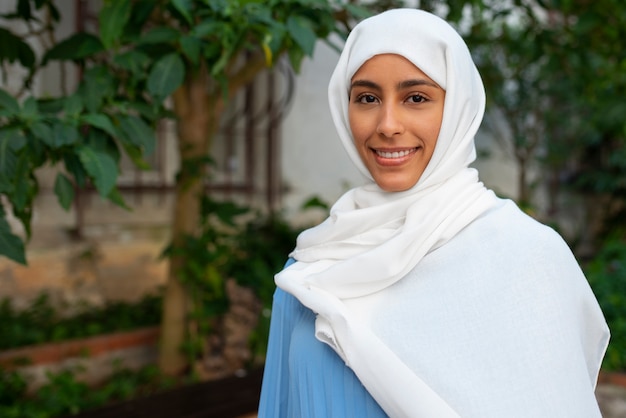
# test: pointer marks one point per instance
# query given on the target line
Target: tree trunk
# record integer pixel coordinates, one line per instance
(198, 105)
(197, 121)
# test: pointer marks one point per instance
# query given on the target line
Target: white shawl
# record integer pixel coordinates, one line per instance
(372, 238)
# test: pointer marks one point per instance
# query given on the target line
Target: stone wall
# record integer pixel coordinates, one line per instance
(116, 256)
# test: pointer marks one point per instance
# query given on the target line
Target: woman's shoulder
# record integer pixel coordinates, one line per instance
(508, 222)
(506, 236)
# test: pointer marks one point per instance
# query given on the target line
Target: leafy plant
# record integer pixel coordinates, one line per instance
(562, 104)
(607, 277)
(64, 394)
(261, 251)
(43, 322)
(207, 252)
(199, 53)
(12, 386)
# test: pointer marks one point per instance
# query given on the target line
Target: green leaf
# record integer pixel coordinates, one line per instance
(184, 8)
(8, 160)
(11, 141)
(116, 197)
(98, 84)
(192, 48)
(159, 35)
(166, 76)
(75, 168)
(9, 103)
(300, 30)
(136, 156)
(274, 38)
(100, 121)
(99, 141)
(51, 106)
(296, 55)
(30, 110)
(138, 132)
(101, 168)
(206, 28)
(11, 245)
(62, 134)
(112, 20)
(221, 62)
(76, 47)
(15, 49)
(64, 189)
(41, 130)
(133, 61)
(315, 202)
(25, 188)
(73, 105)
(145, 110)
(14, 138)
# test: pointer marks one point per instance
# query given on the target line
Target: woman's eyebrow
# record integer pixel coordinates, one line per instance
(416, 82)
(401, 85)
(364, 83)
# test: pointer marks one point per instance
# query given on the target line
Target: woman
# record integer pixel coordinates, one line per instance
(423, 294)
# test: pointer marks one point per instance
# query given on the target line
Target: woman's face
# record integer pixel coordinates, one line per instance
(395, 113)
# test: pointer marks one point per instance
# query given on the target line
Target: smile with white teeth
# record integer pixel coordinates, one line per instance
(395, 154)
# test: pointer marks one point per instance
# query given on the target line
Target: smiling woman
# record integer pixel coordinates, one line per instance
(395, 114)
(423, 294)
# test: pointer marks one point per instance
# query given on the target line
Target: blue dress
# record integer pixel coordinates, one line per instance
(305, 378)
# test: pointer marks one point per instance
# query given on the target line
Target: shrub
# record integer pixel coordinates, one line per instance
(607, 277)
(41, 322)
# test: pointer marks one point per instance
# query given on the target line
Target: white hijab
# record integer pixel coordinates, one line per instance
(373, 238)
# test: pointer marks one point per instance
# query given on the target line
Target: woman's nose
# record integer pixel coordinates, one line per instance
(389, 123)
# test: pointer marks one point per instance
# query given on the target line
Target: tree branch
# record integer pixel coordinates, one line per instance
(246, 73)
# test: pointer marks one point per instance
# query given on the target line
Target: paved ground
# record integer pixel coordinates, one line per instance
(612, 400)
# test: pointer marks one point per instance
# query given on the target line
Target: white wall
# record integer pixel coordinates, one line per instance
(314, 163)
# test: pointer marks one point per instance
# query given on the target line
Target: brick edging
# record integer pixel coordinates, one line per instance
(87, 347)
(612, 378)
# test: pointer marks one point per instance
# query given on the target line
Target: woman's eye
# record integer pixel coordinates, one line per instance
(417, 98)
(366, 98)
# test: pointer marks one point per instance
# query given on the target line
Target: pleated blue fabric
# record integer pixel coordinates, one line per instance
(304, 377)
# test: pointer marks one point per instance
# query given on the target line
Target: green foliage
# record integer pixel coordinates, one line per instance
(166, 75)
(607, 277)
(83, 131)
(233, 244)
(316, 203)
(250, 251)
(202, 275)
(10, 244)
(64, 394)
(556, 72)
(12, 386)
(17, 49)
(142, 53)
(261, 250)
(597, 83)
(42, 322)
